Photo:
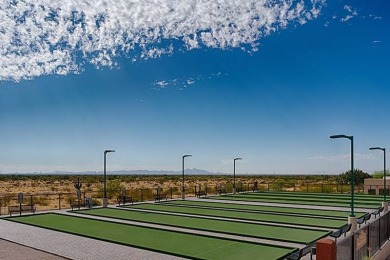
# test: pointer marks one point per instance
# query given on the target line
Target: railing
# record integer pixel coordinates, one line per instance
(58, 200)
(366, 241)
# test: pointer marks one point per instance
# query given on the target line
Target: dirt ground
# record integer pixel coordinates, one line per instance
(45, 193)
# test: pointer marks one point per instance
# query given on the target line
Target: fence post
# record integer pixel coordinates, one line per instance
(171, 192)
(379, 231)
(368, 240)
(268, 186)
(59, 201)
(205, 186)
(31, 203)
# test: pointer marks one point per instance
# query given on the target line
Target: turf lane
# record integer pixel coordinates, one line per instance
(255, 216)
(299, 201)
(260, 208)
(287, 234)
(176, 243)
(363, 199)
(341, 196)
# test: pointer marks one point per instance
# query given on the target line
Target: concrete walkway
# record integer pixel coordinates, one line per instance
(14, 251)
(67, 245)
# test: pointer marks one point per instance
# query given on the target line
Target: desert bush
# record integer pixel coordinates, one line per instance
(43, 201)
(96, 202)
(113, 189)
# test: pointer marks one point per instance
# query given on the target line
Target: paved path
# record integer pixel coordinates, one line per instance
(14, 251)
(69, 246)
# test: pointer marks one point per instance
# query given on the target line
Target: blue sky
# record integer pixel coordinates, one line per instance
(268, 81)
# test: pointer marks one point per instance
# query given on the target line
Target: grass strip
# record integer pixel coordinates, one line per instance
(170, 242)
(318, 196)
(286, 234)
(262, 208)
(306, 199)
(342, 196)
(315, 213)
(313, 202)
(254, 216)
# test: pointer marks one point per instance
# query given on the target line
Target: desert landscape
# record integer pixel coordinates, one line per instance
(48, 192)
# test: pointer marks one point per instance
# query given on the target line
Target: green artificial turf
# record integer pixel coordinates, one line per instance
(176, 243)
(289, 234)
(344, 198)
(340, 196)
(262, 208)
(256, 216)
(289, 199)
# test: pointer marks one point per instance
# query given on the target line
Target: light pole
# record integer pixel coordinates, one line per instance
(350, 137)
(105, 178)
(234, 174)
(384, 175)
(352, 218)
(183, 196)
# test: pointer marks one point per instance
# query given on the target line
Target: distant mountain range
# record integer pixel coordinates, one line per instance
(193, 171)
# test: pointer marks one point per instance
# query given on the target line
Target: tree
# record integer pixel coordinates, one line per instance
(379, 175)
(359, 176)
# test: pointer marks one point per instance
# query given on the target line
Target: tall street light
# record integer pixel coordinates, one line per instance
(350, 137)
(183, 196)
(384, 174)
(234, 174)
(105, 178)
(352, 218)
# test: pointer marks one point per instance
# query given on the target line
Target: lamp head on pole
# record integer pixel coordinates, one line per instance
(187, 155)
(237, 159)
(377, 148)
(109, 151)
(341, 136)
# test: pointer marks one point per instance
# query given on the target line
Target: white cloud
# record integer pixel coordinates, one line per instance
(182, 83)
(351, 13)
(161, 84)
(372, 16)
(41, 37)
(347, 18)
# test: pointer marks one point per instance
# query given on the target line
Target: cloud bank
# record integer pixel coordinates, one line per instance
(42, 37)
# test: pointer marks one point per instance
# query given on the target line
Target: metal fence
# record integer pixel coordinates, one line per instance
(366, 241)
(62, 200)
(310, 187)
(56, 200)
